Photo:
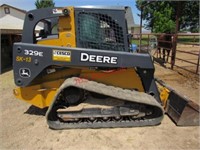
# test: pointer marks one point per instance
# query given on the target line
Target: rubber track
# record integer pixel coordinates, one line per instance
(115, 92)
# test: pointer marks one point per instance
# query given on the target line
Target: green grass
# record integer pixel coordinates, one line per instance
(181, 39)
(137, 42)
(188, 39)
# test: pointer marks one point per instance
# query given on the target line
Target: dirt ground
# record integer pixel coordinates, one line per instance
(21, 128)
(183, 81)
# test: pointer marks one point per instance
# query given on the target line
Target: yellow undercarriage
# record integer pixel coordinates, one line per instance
(41, 95)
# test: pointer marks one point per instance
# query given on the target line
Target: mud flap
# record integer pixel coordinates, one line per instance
(182, 111)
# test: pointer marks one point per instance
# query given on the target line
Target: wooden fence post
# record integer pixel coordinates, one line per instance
(175, 35)
(197, 70)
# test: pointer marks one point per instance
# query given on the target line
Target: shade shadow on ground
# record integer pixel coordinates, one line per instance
(32, 110)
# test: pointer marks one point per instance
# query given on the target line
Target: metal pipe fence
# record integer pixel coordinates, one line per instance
(183, 53)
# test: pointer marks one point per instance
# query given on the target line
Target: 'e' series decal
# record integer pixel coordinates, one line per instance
(33, 53)
(60, 55)
(98, 58)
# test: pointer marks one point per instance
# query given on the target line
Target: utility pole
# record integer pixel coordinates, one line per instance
(140, 38)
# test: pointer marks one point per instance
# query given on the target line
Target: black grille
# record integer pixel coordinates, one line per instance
(99, 31)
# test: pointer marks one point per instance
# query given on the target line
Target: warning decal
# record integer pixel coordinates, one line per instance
(60, 55)
(57, 11)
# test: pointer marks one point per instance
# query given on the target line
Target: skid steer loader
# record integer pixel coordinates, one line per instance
(79, 65)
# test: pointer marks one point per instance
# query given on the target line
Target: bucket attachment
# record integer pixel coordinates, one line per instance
(181, 110)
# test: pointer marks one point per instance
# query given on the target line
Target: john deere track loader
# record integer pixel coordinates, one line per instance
(79, 65)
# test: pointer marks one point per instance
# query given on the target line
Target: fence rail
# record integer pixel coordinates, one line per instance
(186, 50)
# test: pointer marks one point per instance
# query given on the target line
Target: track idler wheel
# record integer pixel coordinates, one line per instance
(73, 96)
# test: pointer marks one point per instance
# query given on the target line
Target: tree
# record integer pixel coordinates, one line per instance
(44, 3)
(190, 16)
(162, 20)
(161, 16)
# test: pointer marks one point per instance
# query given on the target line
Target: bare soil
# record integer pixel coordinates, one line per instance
(24, 127)
(185, 83)
(184, 77)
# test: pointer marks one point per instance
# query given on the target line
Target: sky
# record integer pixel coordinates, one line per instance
(29, 4)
